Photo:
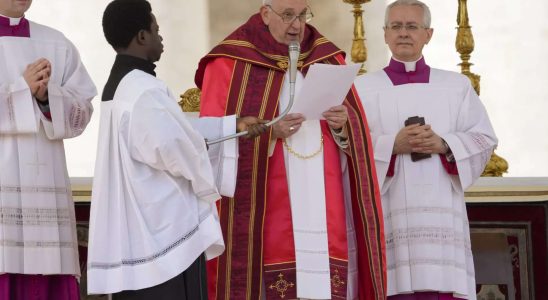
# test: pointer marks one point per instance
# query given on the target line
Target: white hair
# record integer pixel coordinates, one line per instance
(267, 2)
(426, 11)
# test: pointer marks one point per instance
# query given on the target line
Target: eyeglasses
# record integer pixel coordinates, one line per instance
(288, 17)
(408, 27)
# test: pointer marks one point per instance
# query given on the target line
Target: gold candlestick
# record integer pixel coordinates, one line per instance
(465, 46)
(359, 50)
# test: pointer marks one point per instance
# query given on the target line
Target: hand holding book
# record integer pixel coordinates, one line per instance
(417, 120)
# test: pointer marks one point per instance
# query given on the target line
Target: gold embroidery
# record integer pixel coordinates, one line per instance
(282, 285)
(336, 280)
(302, 56)
(284, 64)
(304, 156)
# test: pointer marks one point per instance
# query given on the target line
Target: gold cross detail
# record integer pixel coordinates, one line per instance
(336, 279)
(281, 285)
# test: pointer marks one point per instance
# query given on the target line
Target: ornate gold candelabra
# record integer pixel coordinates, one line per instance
(359, 50)
(465, 46)
(190, 100)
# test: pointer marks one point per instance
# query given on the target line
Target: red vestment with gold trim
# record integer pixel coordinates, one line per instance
(244, 75)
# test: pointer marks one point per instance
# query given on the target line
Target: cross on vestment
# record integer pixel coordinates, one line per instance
(37, 163)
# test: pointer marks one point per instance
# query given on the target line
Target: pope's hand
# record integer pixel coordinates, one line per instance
(287, 126)
(336, 116)
(254, 126)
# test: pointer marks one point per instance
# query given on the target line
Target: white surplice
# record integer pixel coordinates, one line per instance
(37, 222)
(153, 206)
(426, 225)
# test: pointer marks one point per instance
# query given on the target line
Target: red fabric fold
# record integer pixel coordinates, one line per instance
(391, 166)
(450, 167)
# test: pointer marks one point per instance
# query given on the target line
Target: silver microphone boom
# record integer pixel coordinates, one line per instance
(294, 52)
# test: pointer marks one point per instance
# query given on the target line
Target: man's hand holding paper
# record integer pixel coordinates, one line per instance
(336, 116)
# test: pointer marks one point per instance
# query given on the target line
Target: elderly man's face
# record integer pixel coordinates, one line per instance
(14, 8)
(405, 33)
(285, 33)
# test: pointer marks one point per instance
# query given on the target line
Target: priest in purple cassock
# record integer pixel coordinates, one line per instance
(424, 168)
(45, 95)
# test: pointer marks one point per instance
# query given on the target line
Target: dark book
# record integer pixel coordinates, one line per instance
(416, 120)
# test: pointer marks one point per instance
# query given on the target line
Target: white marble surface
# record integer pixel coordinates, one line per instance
(508, 189)
(486, 189)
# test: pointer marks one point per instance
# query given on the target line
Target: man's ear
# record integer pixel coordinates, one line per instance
(141, 37)
(265, 14)
(430, 33)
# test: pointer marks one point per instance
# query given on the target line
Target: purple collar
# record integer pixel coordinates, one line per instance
(21, 30)
(397, 74)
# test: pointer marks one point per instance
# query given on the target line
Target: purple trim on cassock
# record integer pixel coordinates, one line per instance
(397, 74)
(21, 30)
(38, 287)
(424, 296)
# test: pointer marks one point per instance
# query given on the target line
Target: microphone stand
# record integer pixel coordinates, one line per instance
(294, 51)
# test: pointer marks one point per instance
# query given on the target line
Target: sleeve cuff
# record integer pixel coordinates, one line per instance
(450, 167)
(209, 196)
(340, 137)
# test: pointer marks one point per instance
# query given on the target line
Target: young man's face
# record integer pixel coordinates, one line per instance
(282, 32)
(405, 33)
(14, 8)
(155, 46)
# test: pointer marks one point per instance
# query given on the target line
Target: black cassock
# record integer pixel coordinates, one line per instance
(189, 285)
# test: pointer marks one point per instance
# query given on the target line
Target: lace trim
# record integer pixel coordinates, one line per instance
(35, 216)
(143, 260)
(33, 189)
(36, 244)
(11, 113)
(428, 235)
(76, 113)
(424, 210)
(479, 139)
(433, 262)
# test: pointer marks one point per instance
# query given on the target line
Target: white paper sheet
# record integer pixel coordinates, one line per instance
(323, 87)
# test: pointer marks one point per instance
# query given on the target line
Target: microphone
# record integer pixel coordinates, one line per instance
(294, 51)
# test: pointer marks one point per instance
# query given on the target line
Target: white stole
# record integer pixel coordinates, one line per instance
(307, 196)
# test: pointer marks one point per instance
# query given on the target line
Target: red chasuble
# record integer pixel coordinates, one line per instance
(244, 75)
